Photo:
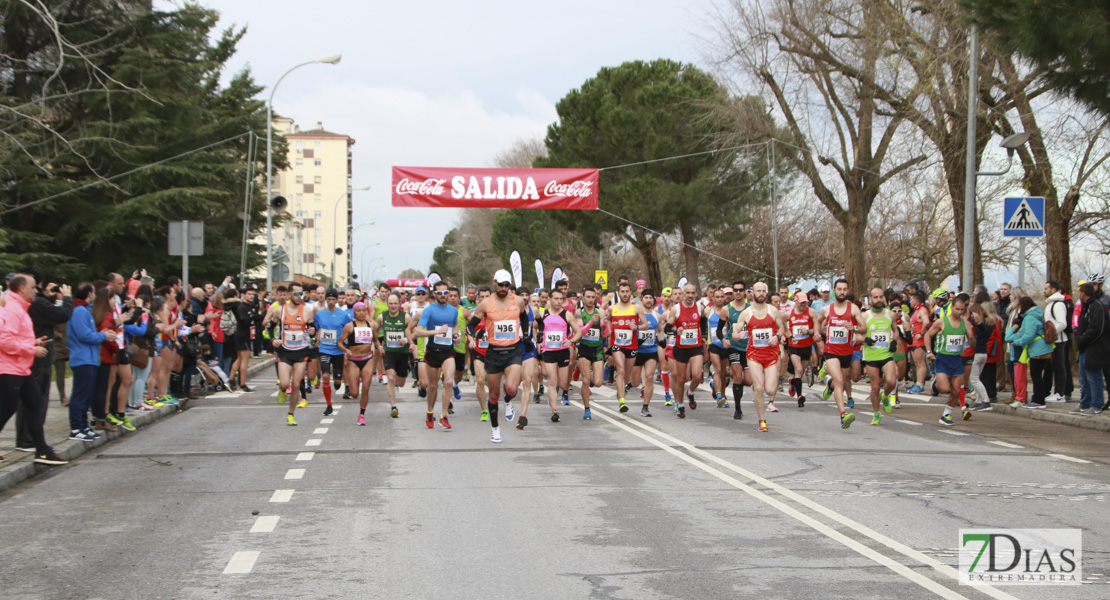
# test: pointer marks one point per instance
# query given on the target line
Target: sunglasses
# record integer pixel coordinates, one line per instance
(298, 294)
(420, 293)
(441, 293)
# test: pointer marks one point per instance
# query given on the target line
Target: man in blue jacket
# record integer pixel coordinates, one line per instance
(83, 341)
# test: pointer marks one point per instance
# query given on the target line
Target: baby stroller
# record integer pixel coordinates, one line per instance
(214, 377)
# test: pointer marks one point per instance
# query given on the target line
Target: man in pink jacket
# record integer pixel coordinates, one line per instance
(18, 349)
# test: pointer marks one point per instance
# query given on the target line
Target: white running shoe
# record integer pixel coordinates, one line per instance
(510, 414)
(771, 407)
(496, 436)
(1054, 398)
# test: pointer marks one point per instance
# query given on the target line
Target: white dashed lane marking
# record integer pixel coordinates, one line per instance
(1005, 444)
(1069, 458)
(305, 455)
(282, 496)
(320, 431)
(294, 474)
(265, 524)
(313, 442)
(241, 562)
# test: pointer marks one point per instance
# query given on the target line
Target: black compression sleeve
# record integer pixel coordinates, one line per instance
(704, 324)
(721, 328)
(472, 326)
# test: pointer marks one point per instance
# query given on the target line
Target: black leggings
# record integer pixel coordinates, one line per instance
(17, 390)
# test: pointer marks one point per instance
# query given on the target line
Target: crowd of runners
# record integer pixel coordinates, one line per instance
(541, 344)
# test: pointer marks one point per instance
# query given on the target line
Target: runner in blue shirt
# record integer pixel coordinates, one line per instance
(329, 324)
(439, 321)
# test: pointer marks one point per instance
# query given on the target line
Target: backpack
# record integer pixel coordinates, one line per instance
(1049, 330)
(228, 323)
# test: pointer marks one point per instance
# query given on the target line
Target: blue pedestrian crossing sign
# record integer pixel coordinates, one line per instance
(1023, 217)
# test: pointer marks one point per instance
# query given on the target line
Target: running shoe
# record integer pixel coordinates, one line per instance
(763, 425)
(851, 403)
(541, 390)
(50, 459)
(947, 420)
(393, 412)
(536, 398)
(423, 393)
(967, 414)
(246, 389)
(303, 403)
(430, 420)
(347, 395)
(555, 417)
(522, 422)
(801, 400)
(566, 398)
(827, 393)
(846, 420)
(587, 415)
(484, 417)
(1016, 404)
(628, 386)
(89, 433)
(1032, 405)
(791, 391)
(690, 400)
(281, 396)
(327, 411)
(458, 393)
(771, 407)
(915, 389)
(289, 420)
(897, 402)
(680, 412)
(667, 401)
(495, 436)
(126, 423)
(80, 436)
(623, 405)
(510, 414)
(886, 403)
(450, 407)
(315, 382)
(877, 418)
(362, 419)
(721, 403)
(114, 420)
(644, 412)
(738, 414)
(444, 423)
(822, 373)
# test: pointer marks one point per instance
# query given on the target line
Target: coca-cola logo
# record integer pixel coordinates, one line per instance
(574, 189)
(427, 187)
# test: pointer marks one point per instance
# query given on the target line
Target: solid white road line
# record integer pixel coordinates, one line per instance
(305, 455)
(313, 442)
(880, 558)
(282, 496)
(241, 562)
(327, 421)
(1069, 458)
(294, 473)
(265, 524)
(320, 431)
(1004, 444)
(950, 432)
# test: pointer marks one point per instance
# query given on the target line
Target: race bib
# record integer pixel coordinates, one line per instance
(328, 336)
(293, 340)
(800, 332)
(689, 337)
(954, 343)
(647, 337)
(622, 337)
(483, 343)
(761, 338)
(838, 335)
(881, 339)
(183, 331)
(553, 340)
(713, 335)
(364, 335)
(395, 339)
(444, 339)
(593, 334)
(252, 332)
(504, 331)
(670, 340)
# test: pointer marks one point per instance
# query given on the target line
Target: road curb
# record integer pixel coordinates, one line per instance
(1096, 422)
(70, 449)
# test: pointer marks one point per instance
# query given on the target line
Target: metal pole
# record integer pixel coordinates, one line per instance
(185, 256)
(270, 190)
(600, 262)
(247, 209)
(774, 214)
(1021, 263)
(966, 273)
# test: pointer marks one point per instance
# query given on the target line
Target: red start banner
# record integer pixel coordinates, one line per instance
(568, 189)
(406, 283)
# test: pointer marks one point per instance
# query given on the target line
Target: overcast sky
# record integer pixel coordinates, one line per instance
(441, 83)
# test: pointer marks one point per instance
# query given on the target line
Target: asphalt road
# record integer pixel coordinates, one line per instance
(617, 507)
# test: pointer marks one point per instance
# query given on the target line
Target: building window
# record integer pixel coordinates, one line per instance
(318, 198)
(300, 178)
(299, 145)
(299, 163)
(299, 198)
(318, 179)
(300, 214)
(318, 250)
(318, 144)
(319, 162)
(319, 232)
(319, 214)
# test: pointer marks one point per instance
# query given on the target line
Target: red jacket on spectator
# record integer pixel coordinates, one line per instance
(108, 350)
(17, 337)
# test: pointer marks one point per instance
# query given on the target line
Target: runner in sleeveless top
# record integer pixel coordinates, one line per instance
(415, 308)
(801, 325)
(454, 299)
(625, 321)
(291, 345)
(381, 304)
(668, 330)
(329, 322)
(718, 353)
(358, 341)
(438, 322)
(647, 355)
(919, 323)
(530, 368)
(502, 312)
(393, 324)
(556, 331)
(477, 349)
(856, 372)
(666, 356)
(841, 322)
(689, 351)
(728, 326)
(945, 341)
(764, 326)
(880, 338)
(591, 346)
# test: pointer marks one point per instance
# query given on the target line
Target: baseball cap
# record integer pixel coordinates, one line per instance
(727, 290)
(667, 291)
(331, 293)
(801, 297)
(421, 289)
(824, 288)
(502, 276)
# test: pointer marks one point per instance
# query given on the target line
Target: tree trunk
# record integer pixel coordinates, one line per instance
(855, 225)
(645, 245)
(1058, 240)
(690, 252)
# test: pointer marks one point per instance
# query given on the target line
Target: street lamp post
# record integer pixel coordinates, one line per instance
(462, 259)
(330, 59)
(335, 226)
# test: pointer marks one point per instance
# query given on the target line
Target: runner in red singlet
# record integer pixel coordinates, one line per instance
(841, 323)
(765, 327)
(689, 350)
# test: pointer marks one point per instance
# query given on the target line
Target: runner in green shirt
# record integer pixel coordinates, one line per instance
(878, 342)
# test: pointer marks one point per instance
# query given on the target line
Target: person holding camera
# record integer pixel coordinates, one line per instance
(52, 306)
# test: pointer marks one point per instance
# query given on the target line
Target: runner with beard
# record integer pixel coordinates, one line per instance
(329, 323)
(764, 326)
(416, 347)
(880, 338)
(626, 320)
(591, 346)
(438, 322)
(381, 304)
(945, 340)
(801, 325)
(666, 356)
(841, 321)
(294, 328)
(919, 324)
(689, 326)
(503, 313)
(477, 350)
(393, 325)
(718, 353)
(647, 355)
(729, 330)
(531, 369)
(557, 330)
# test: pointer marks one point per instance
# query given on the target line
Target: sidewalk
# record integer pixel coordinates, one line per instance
(20, 466)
